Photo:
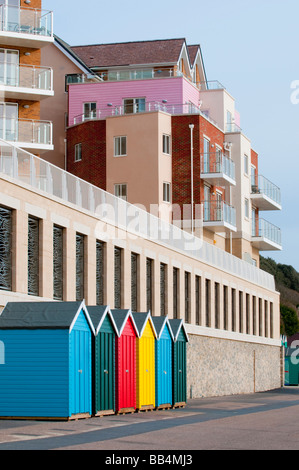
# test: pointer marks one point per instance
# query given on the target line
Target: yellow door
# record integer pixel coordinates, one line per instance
(146, 368)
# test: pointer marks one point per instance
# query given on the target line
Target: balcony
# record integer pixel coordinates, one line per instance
(29, 134)
(136, 108)
(26, 82)
(266, 236)
(40, 175)
(264, 194)
(25, 27)
(219, 216)
(217, 169)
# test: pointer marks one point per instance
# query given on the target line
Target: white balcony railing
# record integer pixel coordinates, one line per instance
(144, 107)
(216, 162)
(25, 168)
(264, 229)
(26, 76)
(219, 211)
(261, 185)
(28, 131)
(14, 19)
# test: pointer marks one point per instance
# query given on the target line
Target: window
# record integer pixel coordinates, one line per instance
(120, 146)
(217, 305)
(166, 192)
(90, 110)
(197, 300)
(120, 190)
(117, 277)
(175, 292)
(247, 313)
(33, 256)
(225, 307)
(73, 78)
(5, 249)
(246, 167)
(134, 105)
(78, 152)
(208, 302)
(79, 266)
(163, 288)
(240, 312)
(246, 208)
(57, 263)
(100, 273)
(187, 296)
(233, 309)
(149, 284)
(166, 144)
(134, 282)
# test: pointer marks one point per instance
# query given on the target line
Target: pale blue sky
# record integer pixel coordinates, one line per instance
(251, 47)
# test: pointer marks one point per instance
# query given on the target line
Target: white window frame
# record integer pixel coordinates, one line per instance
(135, 105)
(246, 208)
(89, 113)
(78, 152)
(118, 143)
(118, 191)
(246, 164)
(166, 144)
(167, 192)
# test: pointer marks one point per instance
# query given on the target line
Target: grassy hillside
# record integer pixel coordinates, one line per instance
(286, 280)
(287, 283)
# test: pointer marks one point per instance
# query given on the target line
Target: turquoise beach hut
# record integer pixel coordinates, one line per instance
(47, 367)
(163, 355)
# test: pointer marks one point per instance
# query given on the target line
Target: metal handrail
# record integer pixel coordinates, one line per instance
(38, 77)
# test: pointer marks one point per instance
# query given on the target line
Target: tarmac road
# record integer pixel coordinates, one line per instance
(262, 421)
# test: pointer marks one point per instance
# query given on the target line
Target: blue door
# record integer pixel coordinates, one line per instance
(164, 369)
(80, 370)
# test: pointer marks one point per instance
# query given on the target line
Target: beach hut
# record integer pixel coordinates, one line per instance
(125, 361)
(145, 361)
(103, 360)
(163, 357)
(47, 368)
(179, 362)
(291, 366)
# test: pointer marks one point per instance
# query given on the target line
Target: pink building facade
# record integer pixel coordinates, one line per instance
(163, 93)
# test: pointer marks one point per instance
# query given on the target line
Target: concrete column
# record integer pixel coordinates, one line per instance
(20, 252)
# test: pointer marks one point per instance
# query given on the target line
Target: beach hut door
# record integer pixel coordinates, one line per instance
(81, 372)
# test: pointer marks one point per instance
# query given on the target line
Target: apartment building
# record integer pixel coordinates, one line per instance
(105, 230)
(25, 29)
(155, 118)
(62, 238)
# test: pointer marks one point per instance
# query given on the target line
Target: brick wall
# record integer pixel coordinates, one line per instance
(181, 156)
(92, 167)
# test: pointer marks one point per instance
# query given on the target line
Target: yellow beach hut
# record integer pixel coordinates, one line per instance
(145, 361)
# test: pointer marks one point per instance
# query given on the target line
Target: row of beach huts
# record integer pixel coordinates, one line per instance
(66, 360)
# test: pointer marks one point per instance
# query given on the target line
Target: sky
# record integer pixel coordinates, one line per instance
(251, 47)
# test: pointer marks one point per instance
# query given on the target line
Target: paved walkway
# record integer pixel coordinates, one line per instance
(258, 421)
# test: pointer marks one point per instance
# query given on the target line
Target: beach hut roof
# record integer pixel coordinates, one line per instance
(160, 323)
(98, 314)
(42, 315)
(176, 325)
(120, 317)
(141, 319)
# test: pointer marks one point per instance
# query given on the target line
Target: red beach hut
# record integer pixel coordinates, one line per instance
(125, 361)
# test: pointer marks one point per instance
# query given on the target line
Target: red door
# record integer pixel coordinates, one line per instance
(126, 369)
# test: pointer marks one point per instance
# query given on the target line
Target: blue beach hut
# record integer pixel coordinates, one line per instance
(163, 355)
(47, 367)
